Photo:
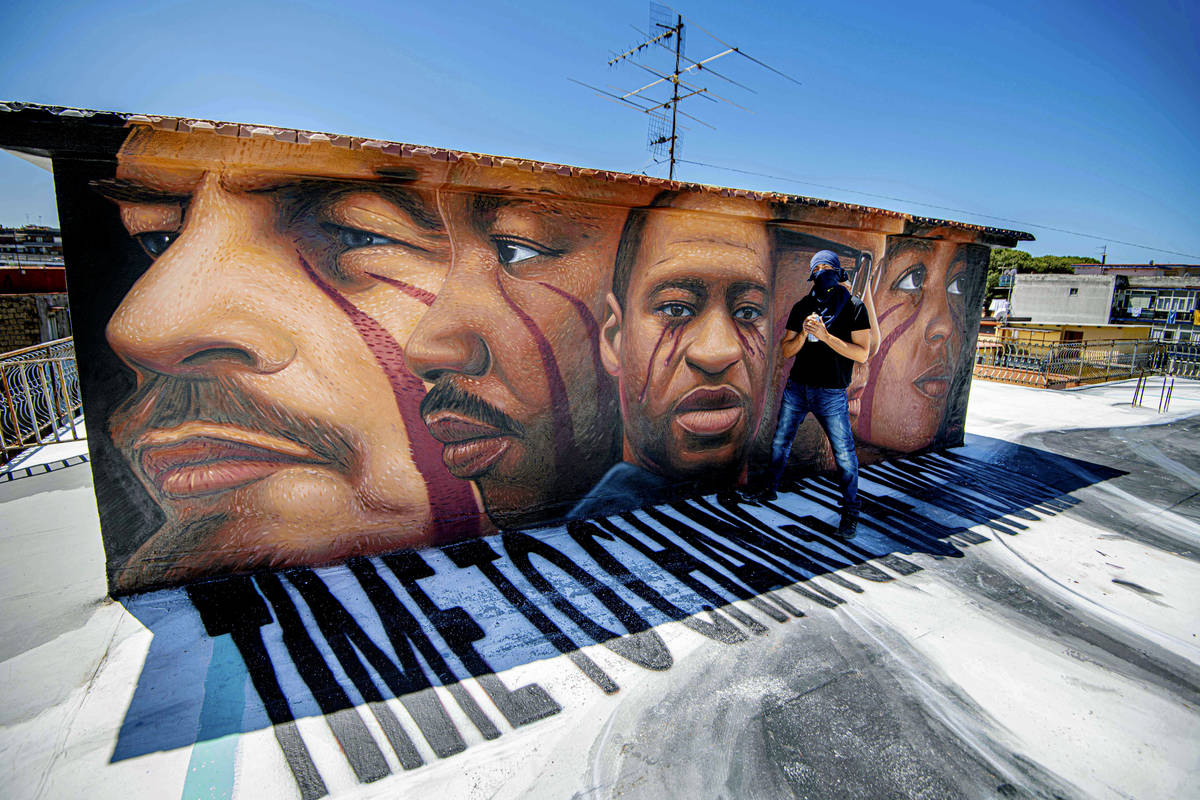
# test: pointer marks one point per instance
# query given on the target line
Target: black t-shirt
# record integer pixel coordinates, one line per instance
(817, 364)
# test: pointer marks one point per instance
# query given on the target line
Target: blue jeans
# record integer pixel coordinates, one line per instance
(833, 412)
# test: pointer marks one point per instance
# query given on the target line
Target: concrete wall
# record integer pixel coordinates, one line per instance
(29, 319)
(18, 322)
(294, 352)
(1084, 299)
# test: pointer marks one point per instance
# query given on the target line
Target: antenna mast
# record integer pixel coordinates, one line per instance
(675, 92)
(669, 25)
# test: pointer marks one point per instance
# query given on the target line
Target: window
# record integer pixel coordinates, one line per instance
(1177, 300)
(1074, 290)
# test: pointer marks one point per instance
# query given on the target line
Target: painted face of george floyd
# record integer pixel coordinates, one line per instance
(687, 336)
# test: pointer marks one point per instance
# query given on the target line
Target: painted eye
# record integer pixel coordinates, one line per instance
(510, 252)
(747, 313)
(676, 310)
(911, 281)
(353, 238)
(955, 286)
(156, 242)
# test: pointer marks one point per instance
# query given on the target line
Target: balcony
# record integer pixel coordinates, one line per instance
(39, 398)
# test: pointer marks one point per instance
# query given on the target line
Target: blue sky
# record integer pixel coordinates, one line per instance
(1081, 116)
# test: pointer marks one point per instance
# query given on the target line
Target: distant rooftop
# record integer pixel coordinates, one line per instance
(1138, 266)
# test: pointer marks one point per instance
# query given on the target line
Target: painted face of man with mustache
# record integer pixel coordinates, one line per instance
(519, 398)
(898, 399)
(686, 336)
(274, 421)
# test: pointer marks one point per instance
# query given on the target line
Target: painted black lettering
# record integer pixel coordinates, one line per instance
(643, 646)
(359, 747)
(759, 577)
(232, 606)
(765, 542)
(411, 686)
(405, 632)
(684, 566)
(519, 706)
(905, 527)
(719, 629)
(900, 565)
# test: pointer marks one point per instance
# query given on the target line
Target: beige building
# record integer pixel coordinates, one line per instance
(1051, 333)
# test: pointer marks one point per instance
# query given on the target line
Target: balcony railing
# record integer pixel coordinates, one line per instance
(39, 397)
(1059, 365)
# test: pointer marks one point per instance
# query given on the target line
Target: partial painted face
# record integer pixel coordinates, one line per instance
(689, 343)
(898, 399)
(274, 420)
(519, 398)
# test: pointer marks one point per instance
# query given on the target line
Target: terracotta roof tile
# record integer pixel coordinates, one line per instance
(438, 154)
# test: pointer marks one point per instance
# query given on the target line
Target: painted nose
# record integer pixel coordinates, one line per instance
(451, 337)
(205, 304)
(939, 326)
(716, 346)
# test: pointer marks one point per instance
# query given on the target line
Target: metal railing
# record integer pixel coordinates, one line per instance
(39, 397)
(1059, 365)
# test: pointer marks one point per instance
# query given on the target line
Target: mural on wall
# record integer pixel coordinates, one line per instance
(299, 352)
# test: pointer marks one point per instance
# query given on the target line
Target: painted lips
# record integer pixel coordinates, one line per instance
(471, 446)
(201, 458)
(709, 412)
(854, 400)
(934, 382)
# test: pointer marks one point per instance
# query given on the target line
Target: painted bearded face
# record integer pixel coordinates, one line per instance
(898, 399)
(266, 338)
(519, 398)
(688, 342)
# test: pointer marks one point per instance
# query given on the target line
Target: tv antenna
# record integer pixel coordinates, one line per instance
(668, 32)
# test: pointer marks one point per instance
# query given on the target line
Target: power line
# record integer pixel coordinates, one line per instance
(941, 208)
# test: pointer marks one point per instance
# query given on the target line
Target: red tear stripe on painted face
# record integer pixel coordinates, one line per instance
(756, 348)
(415, 292)
(451, 501)
(675, 347)
(565, 451)
(606, 391)
(650, 364)
(876, 363)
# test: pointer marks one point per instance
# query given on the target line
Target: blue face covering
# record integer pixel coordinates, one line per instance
(831, 297)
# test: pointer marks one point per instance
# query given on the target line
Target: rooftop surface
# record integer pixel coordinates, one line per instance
(1016, 618)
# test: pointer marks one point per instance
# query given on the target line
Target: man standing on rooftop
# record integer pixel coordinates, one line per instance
(828, 330)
